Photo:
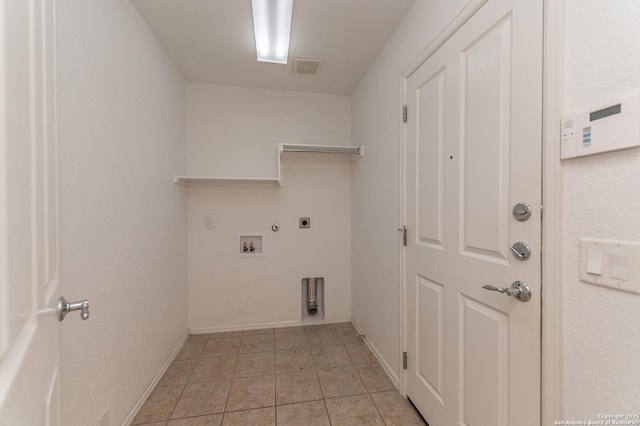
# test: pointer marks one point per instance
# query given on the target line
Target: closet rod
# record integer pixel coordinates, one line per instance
(326, 149)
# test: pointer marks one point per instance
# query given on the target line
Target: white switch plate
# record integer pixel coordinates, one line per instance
(621, 251)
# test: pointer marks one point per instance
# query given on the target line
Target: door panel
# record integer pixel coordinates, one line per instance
(430, 134)
(16, 300)
(485, 121)
(484, 370)
(430, 335)
(29, 326)
(473, 149)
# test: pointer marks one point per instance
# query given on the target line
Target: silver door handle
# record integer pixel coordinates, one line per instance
(65, 307)
(519, 289)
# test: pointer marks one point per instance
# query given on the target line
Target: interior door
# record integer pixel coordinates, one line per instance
(473, 151)
(29, 326)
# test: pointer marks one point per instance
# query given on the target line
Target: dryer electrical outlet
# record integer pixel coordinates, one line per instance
(304, 222)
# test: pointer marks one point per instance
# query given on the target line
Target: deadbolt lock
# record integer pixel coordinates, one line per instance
(521, 250)
(521, 211)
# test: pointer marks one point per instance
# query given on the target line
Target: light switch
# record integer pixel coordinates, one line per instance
(594, 261)
(619, 269)
(610, 263)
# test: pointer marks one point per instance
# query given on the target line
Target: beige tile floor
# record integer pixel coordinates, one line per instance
(295, 376)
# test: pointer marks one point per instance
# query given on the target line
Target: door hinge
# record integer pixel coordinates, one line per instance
(404, 113)
(404, 360)
(404, 234)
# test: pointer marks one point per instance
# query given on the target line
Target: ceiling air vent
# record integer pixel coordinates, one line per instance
(306, 66)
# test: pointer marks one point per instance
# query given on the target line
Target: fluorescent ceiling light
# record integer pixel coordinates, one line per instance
(272, 28)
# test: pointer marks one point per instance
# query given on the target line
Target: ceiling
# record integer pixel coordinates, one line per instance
(211, 41)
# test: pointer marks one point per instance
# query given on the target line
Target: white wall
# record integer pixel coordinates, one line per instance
(234, 132)
(602, 200)
(122, 220)
(376, 181)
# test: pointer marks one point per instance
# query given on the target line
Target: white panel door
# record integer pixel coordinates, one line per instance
(473, 151)
(29, 326)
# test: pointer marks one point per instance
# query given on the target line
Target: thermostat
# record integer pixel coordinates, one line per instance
(609, 128)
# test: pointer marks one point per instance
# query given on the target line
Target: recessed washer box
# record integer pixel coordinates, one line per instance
(250, 245)
(608, 128)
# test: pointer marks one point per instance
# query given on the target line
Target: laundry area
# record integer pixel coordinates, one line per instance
(319, 212)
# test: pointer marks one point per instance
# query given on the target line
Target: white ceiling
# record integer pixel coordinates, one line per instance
(211, 41)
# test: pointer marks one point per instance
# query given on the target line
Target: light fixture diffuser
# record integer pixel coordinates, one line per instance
(272, 28)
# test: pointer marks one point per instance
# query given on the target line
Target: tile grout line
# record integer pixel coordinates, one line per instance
(367, 388)
(186, 384)
(233, 373)
(377, 409)
(324, 400)
(275, 383)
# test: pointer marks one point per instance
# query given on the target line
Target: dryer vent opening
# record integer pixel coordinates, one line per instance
(312, 296)
(312, 299)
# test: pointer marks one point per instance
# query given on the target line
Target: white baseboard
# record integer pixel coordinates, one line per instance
(256, 326)
(385, 365)
(132, 414)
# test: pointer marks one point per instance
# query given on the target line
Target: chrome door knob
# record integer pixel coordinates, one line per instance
(519, 289)
(65, 307)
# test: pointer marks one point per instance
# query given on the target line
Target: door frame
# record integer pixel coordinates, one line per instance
(552, 107)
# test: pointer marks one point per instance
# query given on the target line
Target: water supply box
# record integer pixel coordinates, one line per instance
(610, 128)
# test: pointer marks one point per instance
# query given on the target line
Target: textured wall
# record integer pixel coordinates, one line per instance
(376, 182)
(122, 220)
(234, 132)
(602, 198)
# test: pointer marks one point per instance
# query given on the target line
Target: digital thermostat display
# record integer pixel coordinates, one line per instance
(605, 112)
